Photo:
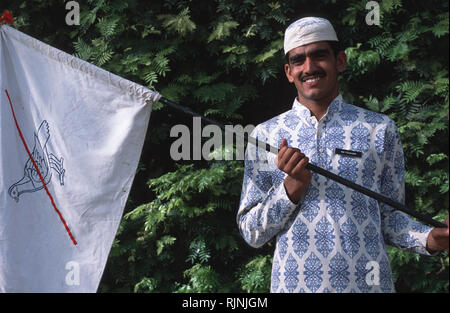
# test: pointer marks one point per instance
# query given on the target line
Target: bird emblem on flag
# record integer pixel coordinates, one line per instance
(45, 162)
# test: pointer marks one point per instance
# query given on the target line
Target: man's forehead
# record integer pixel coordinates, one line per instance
(310, 47)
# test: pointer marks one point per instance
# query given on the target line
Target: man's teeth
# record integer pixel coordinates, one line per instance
(312, 80)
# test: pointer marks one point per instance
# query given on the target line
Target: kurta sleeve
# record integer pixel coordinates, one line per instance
(264, 206)
(398, 228)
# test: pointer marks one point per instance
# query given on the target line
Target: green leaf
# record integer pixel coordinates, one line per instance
(222, 30)
(434, 158)
(163, 242)
(181, 23)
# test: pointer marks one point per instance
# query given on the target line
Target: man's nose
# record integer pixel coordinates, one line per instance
(309, 66)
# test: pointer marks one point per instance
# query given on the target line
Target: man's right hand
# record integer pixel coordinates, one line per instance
(293, 162)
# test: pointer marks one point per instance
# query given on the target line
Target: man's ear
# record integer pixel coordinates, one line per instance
(341, 61)
(287, 70)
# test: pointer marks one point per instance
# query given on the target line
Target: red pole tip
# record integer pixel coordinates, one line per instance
(6, 18)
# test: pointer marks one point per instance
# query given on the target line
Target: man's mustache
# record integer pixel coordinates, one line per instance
(310, 75)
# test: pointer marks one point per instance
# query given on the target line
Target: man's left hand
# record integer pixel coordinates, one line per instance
(438, 239)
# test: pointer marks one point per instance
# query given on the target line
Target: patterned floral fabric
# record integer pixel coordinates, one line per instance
(335, 236)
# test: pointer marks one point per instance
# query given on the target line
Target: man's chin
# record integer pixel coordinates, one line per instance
(317, 96)
(314, 95)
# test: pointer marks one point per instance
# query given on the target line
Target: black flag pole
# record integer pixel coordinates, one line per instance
(397, 205)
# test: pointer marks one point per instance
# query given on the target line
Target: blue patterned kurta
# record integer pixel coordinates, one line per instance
(330, 240)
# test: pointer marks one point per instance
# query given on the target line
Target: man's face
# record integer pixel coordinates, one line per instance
(314, 70)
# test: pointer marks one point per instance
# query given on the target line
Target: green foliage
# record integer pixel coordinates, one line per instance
(202, 278)
(222, 30)
(255, 277)
(180, 23)
(225, 58)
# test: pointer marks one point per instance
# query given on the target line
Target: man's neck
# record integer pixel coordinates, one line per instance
(318, 108)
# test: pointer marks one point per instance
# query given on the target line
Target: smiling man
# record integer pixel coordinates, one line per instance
(314, 70)
(329, 238)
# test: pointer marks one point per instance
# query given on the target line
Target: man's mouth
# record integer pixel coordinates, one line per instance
(312, 78)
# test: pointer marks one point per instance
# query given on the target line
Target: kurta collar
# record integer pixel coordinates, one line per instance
(306, 115)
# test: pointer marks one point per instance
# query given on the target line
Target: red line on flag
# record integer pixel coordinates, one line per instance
(39, 172)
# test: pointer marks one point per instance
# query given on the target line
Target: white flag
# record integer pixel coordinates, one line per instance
(71, 135)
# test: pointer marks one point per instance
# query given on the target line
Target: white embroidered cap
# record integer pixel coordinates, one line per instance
(308, 30)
